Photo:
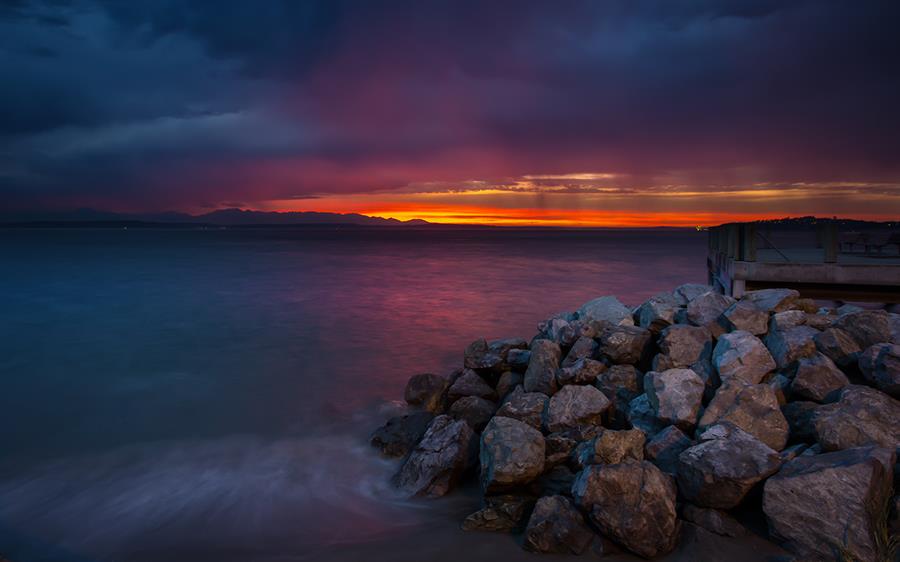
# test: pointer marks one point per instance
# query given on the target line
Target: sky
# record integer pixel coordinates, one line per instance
(595, 112)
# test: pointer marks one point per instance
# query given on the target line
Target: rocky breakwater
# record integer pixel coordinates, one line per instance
(616, 428)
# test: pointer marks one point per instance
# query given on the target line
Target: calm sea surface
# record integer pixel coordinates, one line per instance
(207, 395)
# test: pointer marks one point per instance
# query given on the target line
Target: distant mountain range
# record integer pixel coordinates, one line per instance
(222, 217)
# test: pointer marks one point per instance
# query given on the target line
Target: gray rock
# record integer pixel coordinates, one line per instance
(621, 384)
(822, 504)
(675, 396)
(866, 327)
(818, 321)
(799, 416)
(848, 308)
(641, 415)
(632, 503)
(556, 526)
(470, 383)
(772, 300)
(745, 316)
(792, 452)
(527, 407)
(612, 447)
(787, 320)
(658, 312)
(741, 355)
(689, 291)
(753, 408)
(583, 371)
(399, 435)
(583, 348)
(561, 446)
(781, 386)
(880, 366)
(624, 344)
(561, 329)
(507, 382)
(713, 520)
(860, 416)
(837, 345)
(481, 355)
(719, 471)
(706, 309)
(663, 449)
(787, 346)
(606, 309)
(475, 411)
(574, 406)
(518, 359)
(426, 391)
(500, 514)
(512, 454)
(816, 377)
(439, 460)
(541, 373)
(682, 346)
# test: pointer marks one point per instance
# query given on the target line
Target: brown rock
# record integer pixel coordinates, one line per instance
(527, 407)
(574, 406)
(675, 396)
(787, 346)
(426, 391)
(583, 371)
(664, 448)
(860, 416)
(741, 355)
(512, 454)
(556, 526)
(816, 377)
(624, 344)
(437, 463)
(541, 373)
(880, 366)
(745, 316)
(754, 408)
(837, 345)
(500, 514)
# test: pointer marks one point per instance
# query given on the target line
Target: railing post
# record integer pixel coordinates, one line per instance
(748, 242)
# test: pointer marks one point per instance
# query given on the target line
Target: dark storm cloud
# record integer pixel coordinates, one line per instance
(167, 103)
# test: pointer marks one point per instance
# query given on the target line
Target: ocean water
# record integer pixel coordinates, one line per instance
(208, 395)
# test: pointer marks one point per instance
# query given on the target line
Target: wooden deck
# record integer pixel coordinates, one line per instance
(742, 258)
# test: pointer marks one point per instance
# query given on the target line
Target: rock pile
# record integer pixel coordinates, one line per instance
(617, 424)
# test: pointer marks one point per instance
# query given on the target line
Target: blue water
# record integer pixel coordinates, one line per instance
(207, 395)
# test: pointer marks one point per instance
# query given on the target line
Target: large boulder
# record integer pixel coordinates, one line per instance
(621, 384)
(816, 378)
(500, 514)
(541, 373)
(624, 344)
(583, 371)
(574, 406)
(512, 454)
(719, 471)
(657, 312)
(682, 346)
(752, 407)
(399, 435)
(866, 327)
(641, 415)
(527, 407)
(482, 355)
(612, 447)
(426, 391)
(745, 316)
(606, 309)
(437, 463)
(705, 310)
(860, 416)
(741, 355)
(675, 396)
(787, 320)
(583, 348)
(772, 300)
(823, 506)
(663, 449)
(837, 345)
(507, 382)
(470, 383)
(632, 503)
(787, 346)
(557, 526)
(689, 291)
(475, 411)
(880, 366)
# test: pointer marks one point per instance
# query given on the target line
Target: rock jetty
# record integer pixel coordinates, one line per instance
(616, 427)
